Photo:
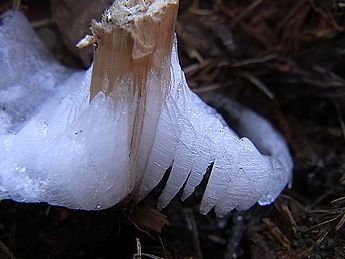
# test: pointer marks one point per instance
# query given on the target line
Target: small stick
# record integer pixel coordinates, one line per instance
(16, 4)
(6, 250)
(247, 11)
(340, 118)
(236, 235)
(194, 229)
(133, 44)
(261, 86)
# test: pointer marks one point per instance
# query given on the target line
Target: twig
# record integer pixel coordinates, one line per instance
(207, 88)
(294, 10)
(275, 232)
(323, 223)
(340, 223)
(163, 246)
(253, 61)
(41, 23)
(287, 212)
(47, 211)
(201, 12)
(338, 200)
(140, 254)
(299, 205)
(261, 86)
(235, 240)
(138, 247)
(6, 250)
(247, 11)
(140, 229)
(16, 4)
(194, 229)
(340, 118)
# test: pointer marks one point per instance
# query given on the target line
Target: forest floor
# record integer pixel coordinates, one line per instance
(284, 59)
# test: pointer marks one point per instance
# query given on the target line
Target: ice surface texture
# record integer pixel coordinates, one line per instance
(58, 147)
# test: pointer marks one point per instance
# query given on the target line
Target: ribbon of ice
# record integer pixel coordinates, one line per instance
(87, 140)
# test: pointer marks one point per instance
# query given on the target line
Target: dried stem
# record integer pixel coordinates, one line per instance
(133, 38)
(133, 45)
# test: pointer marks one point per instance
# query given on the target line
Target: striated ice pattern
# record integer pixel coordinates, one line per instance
(58, 147)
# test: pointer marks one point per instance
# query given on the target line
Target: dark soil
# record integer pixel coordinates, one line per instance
(284, 59)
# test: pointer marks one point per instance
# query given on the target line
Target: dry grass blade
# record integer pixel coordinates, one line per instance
(341, 199)
(340, 118)
(323, 223)
(141, 255)
(6, 250)
(334, 219)
(16, 4)
(246, 12)
(276, 233)
(195, 232)
(341, 222)
(259, 84)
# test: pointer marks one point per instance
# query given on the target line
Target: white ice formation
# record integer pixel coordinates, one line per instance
(58, 147)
